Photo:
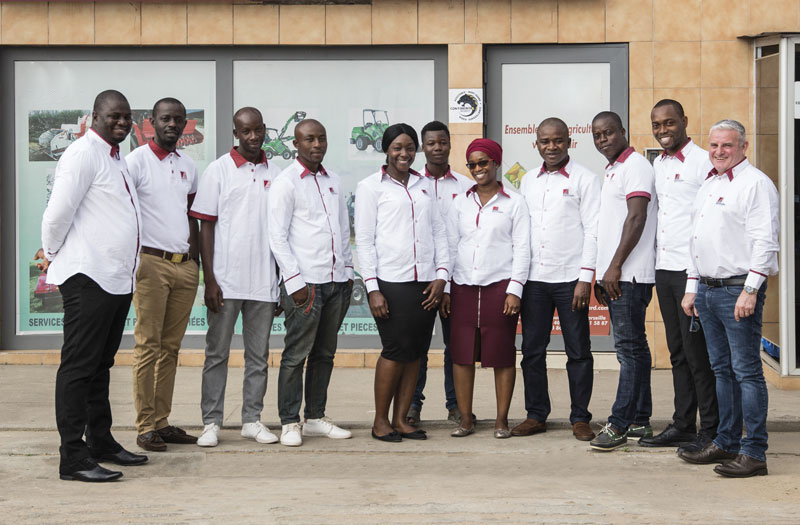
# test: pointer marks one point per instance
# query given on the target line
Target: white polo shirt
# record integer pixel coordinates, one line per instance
(447, 187)
(92, 221)
(564, 207)
(490, 242)
(631, 175)
(233, 192)
(736, 226)
(678, 178)
(309, 228)
(400, 234)
(164, 181)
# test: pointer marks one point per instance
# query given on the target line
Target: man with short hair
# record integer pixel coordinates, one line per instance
(679, 172)
(447, 184)
(564, 201)
(309, 232)
(626, 235)
(732, 249)
(90, 246)
(166, 282)
(239, 273)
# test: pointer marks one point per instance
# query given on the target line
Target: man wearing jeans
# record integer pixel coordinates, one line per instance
(309, 232)
(626, 262)
(732, 250)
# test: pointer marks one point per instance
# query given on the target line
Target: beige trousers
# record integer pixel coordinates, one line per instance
(165, 293)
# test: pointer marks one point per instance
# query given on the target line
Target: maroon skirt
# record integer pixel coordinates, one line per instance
(480, 308)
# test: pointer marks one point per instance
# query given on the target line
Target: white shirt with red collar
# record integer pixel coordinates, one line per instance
(165, 182)
(736, 226)
(448, 187)
(309, 228)
(630, 175)
(678, 178)
(490, 242)
(564, 207)
(400, 234)
(233, 193)
(92, 221)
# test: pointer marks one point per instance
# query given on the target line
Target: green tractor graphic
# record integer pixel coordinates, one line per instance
(277, 143)
(375, 122)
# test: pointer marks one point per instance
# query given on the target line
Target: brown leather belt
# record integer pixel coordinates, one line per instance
(172, 257)
(737, 280)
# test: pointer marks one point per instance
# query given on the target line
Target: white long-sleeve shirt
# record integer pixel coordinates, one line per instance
(92, 221)
(309, 228)
(400, 235)
(448, 187)
(490, 242)
(564, 206)
(736, 226)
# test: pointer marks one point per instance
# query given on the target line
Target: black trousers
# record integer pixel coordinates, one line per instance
(539, 302)
(692, 377)
(93, 323)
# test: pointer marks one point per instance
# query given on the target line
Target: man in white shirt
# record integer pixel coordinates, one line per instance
(166, 282)
(732, 249)
(564, 200)
(90, 246)
(626, 235)
(309, 232)
(447, 184)
(679, 172)
(239, 273)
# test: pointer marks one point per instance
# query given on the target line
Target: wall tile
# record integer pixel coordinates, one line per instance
(722, 103)
(659, 347)
(465, 65)
(24, 23)
(768, 112)
(642, 142)
(534, 21)
(164, 24)
(71, 23)
(641, 102)
(348, 24)
(766, 158)
(487, 21)
(676, 64)
(117, 23)
(640, 60)
(772, 305)
(210, 23)
(255, 24)
(676, 19)
(579, 21)
(441, 21)
(689, 99)
(723, 19)
(458, 151)
(629, 20)
(726, 64)
(772, 15)
(394, 22)
(302, 24)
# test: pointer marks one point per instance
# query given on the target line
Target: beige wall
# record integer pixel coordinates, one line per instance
(682, 49)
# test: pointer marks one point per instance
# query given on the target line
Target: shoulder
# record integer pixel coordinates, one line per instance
(137, 155)
(370, 181)
(463, 181)
(273, 170)
(187, 161)
(638, 165)
(757, 178)
(218, 166)
(582, 173)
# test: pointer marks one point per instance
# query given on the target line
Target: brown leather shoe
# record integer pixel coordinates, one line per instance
(529, 427)
(151, 441)
(582, 431)
(707, 455)
(742, 467)
(176, 435)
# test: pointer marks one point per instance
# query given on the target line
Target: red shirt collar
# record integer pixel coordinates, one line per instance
(306, 171)
(447, 173)
(160, 152)
(240, 161)
(114, 147)
(627, 152)
(501, 191)
(728, 172)
(678, 154)
(562, 170)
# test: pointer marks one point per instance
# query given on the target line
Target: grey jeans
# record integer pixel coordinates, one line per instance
(257, 323)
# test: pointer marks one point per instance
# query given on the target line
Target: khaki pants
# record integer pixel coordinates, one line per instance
(165, 293)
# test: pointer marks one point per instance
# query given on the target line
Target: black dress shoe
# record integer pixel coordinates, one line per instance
(670, 437)
(698, 444)
(171, 434)
(709, 454)
(392, 437)
(417, 434)
(88, 470)
(742, 467)
(121, 457)
(151, 441)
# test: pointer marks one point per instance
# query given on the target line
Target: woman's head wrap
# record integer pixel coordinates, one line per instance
(488, 146)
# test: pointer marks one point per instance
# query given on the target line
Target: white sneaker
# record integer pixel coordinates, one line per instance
(290, 435)
(210, 436)
(258, 432)
(325, 427)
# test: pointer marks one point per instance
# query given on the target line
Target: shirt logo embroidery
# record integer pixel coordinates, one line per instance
(455, 195)
(266, 184)
(183, 175)
(677, 177)
(610, 177)
(719, 202)
(565, 193)
(425, 192)
(495, 209)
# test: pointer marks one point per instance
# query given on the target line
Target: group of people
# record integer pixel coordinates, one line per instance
(700, 226)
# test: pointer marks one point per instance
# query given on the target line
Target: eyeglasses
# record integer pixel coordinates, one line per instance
(480, 164)
(694, 324)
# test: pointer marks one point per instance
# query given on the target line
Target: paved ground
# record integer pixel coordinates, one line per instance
(549, 478)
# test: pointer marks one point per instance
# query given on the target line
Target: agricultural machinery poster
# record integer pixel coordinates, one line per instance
(52, 110)
(356, 101)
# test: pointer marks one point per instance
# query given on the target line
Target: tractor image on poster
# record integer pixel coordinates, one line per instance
(54, 141)
(374, 123)
(278, 143)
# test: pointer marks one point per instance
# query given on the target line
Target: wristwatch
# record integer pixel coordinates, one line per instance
(750, 290)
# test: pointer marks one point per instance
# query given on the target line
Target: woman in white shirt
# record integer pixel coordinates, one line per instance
(403, 255)
(489, 234)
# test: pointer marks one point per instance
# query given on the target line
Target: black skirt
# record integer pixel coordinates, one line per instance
(406, 334)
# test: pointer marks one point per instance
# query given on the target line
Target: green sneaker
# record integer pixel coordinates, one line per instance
(639, 431)
(608, 439)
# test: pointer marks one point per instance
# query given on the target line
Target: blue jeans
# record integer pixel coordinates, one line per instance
(634, 403)
(734, 349)
(449, 387)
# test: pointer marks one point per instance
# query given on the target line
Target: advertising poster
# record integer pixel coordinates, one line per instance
(575, 93)
(52, 110)
(356, 100)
